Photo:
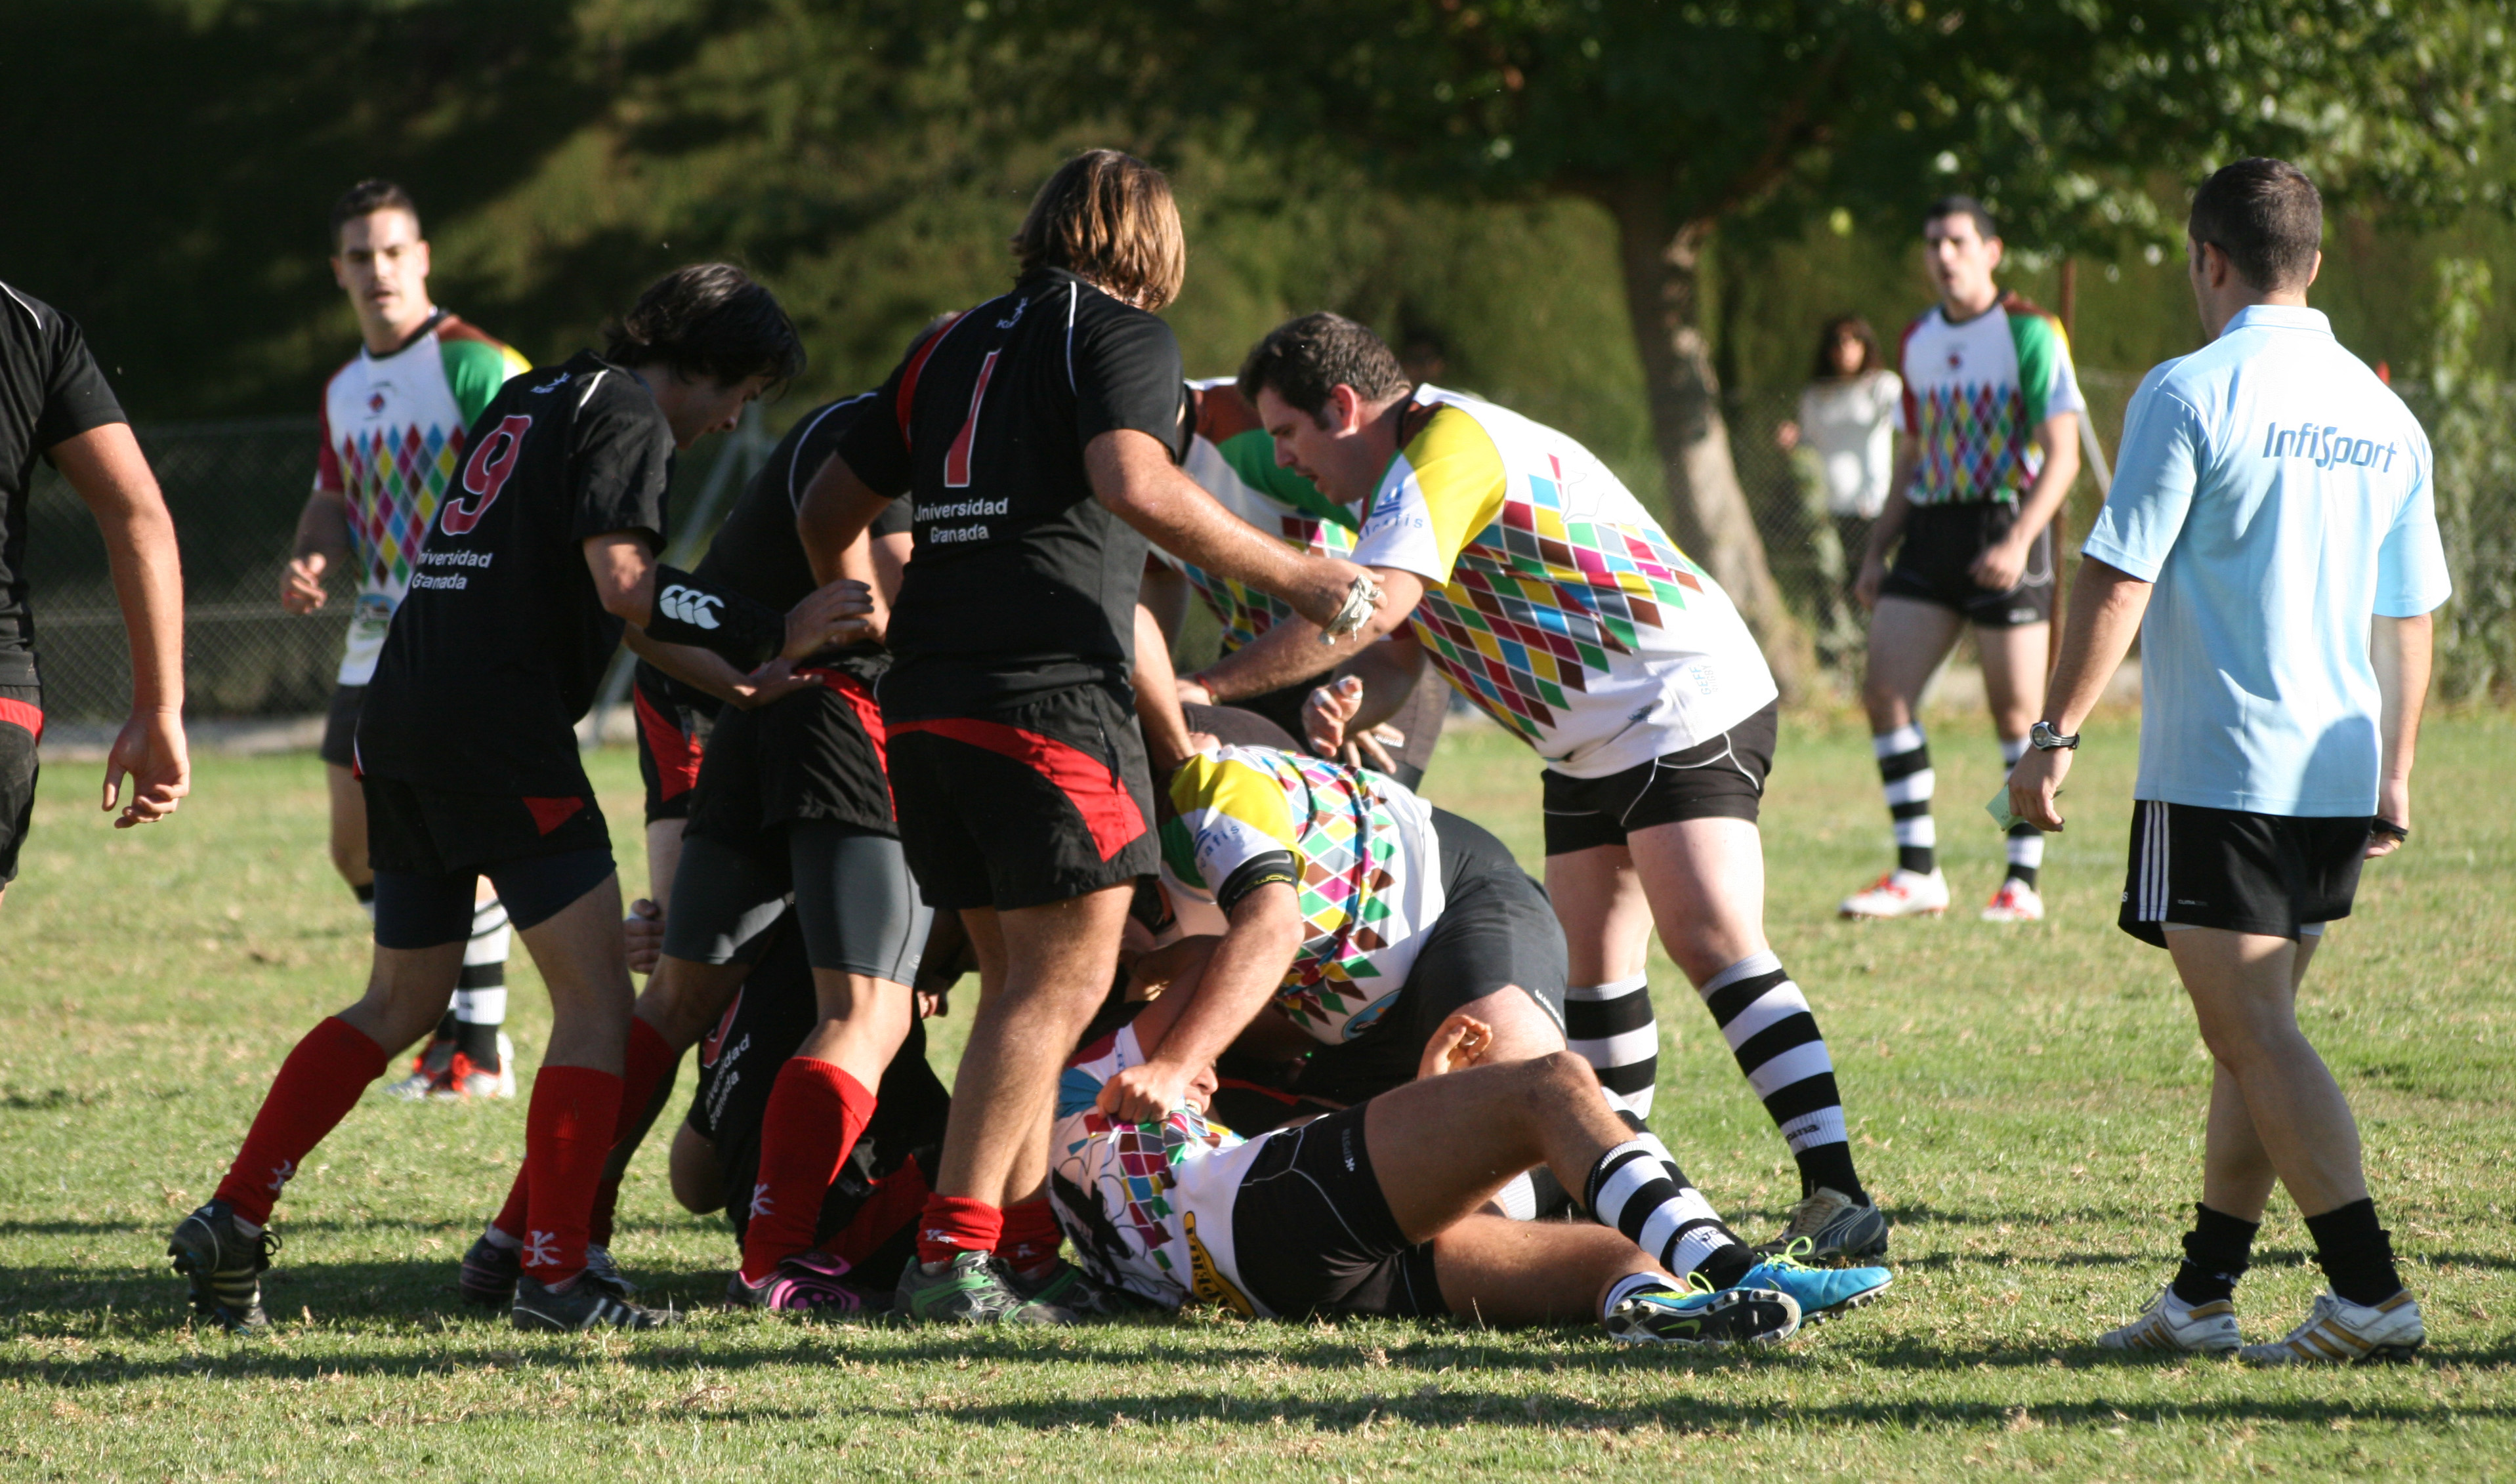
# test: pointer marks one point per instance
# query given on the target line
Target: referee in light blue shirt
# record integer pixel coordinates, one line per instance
(2272, 536)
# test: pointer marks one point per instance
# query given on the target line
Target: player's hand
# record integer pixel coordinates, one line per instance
(1144, 1094)
(301, 588)
(1463, 1042)
(1370, 748)
(772, 682)
(644, 928)
(2002, 567)
(1787, 436)
(1192, 692)
(2394, 806)
(838, 613)
(150, 748)
(2033, 783)
(1874, 576)
(1328, 711)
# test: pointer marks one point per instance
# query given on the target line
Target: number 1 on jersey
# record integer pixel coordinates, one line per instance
(957, 459)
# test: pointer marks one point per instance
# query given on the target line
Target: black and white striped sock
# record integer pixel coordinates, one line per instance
(1635, 1191)
(1904, 777)
(480, 993)
(1613, 1028)
(1774, 1035)
(2026, 842)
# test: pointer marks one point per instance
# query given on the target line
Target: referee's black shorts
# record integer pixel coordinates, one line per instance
(2265, 873)
(1021, 806)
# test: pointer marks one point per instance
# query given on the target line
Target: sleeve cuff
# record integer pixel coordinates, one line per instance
(2138, 568)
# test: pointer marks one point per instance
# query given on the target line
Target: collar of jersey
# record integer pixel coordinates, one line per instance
(2277, 317)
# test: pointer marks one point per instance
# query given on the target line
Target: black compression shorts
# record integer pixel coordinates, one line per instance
(1312, 1235)
(854, 897)
(1496, 929)
(2267, 874)
(22, 725)
(1933, 564)
(1026, 804)
(816, 754)
(1720, 778)
(341, 726)
(674, 721)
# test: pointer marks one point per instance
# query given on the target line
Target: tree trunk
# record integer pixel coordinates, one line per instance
(1708, 510)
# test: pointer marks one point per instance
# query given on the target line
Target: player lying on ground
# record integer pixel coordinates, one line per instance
(863, 1228)
(1380, 1208)
(1537, 584)
(531, 578)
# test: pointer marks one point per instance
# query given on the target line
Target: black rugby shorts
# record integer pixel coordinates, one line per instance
(1722, 777)
(673, 726)
(1026, 804)
(341, 726)
(2266, 873)
(1311, 1233)
(1940, 544)
(22, 725)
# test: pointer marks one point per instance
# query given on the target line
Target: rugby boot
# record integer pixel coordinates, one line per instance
(465, 1079)
(2015, 902)
(1068, 1287)
(1704, 1317)
(429, 1071)
(1822, 1292)
(1837, 1228)
(2170, 1326)
(584, 1303)
(809, 1284)
(2339, 1332)
(224, 1265)
(490, 1272)
(1899, 894)
(971, 1288)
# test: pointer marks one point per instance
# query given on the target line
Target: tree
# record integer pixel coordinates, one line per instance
(1679, 117)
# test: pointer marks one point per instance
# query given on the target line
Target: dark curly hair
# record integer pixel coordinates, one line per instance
(711, 320)
(1304, 359)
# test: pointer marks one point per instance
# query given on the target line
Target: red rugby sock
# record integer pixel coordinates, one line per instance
(1030, 1237)
(956, 1223)
(651, 1062)
(816, 1111)
(568, 1131)
(318, 1086)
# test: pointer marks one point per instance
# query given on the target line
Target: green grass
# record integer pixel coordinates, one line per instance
(2026, 1101)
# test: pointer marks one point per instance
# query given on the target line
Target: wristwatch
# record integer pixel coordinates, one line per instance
(2044, 739)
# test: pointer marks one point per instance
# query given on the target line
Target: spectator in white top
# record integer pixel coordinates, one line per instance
(1848, 420)
(2272, 536)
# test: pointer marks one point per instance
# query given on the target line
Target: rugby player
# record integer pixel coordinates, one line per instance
(1232, 457)
(54, 405)
(397, 418)
(862, 1230)
(2271, 537)
(467, 748)
(1542, 590)
(1379, 1209)
(1990, 447)
(1041, 433)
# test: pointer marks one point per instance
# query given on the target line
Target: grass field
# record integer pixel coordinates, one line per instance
(2027, 1103)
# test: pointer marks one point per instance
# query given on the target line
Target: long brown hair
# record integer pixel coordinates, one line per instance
(1109, 217)
(1837, 328)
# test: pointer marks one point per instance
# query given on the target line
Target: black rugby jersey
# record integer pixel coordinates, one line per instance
(1020, 581)
(49, 393)
(757, 553)
(498, 651)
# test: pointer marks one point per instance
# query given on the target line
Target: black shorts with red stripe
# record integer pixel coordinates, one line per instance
(674, 722)
(816, 754)
(1024, 804)
(21, 726)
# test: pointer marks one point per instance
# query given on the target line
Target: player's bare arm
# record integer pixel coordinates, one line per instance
(2003, 563)
(2105, 608)
(1238, 981)
(105, 465)
(1294, 650)
(322, 544)
(835, 510)
(1889, 527)
(1167, 740)
(1132, 474)
(2399, 648)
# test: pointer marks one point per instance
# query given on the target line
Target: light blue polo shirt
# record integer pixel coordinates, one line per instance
(2278, 494)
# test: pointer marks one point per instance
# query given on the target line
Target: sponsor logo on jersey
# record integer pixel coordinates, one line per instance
(1205, 1278)
(692, 607)
(2323, 445)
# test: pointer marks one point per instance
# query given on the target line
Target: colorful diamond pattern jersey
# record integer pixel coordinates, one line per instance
(1236, 460)
(1552, 599)
(1367, 864)
(393, 430)
(1975, 395)
(1146, 1205)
